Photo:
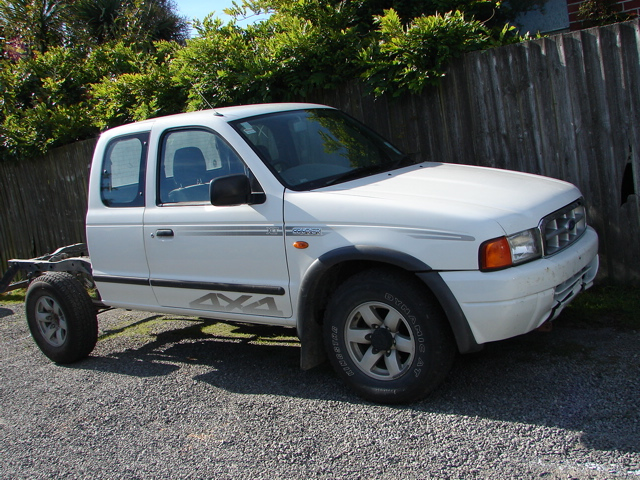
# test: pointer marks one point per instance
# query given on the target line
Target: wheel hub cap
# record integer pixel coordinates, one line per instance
(51, 321)
(381, 340)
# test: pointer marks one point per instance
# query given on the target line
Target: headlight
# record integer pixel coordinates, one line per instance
(512, 250)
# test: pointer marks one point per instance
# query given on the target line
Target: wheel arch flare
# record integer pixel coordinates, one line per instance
(331, 269)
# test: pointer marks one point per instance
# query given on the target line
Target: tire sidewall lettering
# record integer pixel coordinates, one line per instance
(338, 352)
(419, 336)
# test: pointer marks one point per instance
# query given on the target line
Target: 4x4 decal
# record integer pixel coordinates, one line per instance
(244, 303)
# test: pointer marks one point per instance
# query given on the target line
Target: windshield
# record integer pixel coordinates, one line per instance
(309, 149)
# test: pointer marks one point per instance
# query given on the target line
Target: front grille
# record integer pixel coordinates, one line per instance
(563, 227)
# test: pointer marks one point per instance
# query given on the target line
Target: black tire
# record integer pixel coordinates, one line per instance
(387, 337)
(61, 317)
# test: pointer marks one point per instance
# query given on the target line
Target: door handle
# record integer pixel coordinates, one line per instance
(164, 233)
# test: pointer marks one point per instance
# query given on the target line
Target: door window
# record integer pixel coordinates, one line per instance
(190, 159)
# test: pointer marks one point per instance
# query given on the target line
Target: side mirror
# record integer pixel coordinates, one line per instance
(233, 190)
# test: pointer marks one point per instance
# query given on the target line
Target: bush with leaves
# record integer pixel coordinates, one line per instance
(72, 67)
(407, 59)
(285, 57)
(595, 13)
(43, 103)
(312, 45)
(137, 85)
(65, 95)
(224, 64)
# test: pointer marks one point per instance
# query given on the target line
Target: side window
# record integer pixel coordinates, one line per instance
(123, 169)
(189, 160)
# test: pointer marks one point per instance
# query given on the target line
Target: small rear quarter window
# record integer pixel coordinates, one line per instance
(123, 171)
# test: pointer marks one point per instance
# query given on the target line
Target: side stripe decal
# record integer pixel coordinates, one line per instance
(210, 286)
(220, 287)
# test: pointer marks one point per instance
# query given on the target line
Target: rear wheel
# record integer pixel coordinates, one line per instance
(387, 337)
(61, 317)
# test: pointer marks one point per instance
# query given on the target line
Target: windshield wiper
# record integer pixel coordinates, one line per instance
(403, 161)
(358, 173)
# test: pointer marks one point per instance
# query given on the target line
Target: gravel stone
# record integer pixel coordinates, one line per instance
(161, 398)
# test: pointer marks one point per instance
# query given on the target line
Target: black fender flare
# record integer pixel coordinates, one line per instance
(309, 328)
(457, 319)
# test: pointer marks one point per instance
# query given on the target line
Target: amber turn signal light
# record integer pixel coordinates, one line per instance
(300, 244)
(495, 254)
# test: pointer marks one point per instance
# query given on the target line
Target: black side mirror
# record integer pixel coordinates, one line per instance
(233, 190)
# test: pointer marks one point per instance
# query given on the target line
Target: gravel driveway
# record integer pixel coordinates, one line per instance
(167, 398)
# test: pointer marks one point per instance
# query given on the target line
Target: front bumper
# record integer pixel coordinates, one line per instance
(507, 303)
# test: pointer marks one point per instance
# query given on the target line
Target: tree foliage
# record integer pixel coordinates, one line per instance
(116, 61)
(305, 46)
(42, 102)
(34, 25)
(143, 88)
(134, 21)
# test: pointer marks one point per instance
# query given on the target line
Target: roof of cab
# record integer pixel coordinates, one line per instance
(225, 114)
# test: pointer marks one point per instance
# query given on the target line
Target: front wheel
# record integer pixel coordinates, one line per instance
(387, 337)
(61, 317)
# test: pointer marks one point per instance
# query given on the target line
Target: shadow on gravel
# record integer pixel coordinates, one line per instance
(571, 379)
(252, 359)
(5, 312)
(127, 364)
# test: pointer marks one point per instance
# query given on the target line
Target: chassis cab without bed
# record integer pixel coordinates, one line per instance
(297, 215)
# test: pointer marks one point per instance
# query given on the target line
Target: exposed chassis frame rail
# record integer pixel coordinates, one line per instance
(72, 258)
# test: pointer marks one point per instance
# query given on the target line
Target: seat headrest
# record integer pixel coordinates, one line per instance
(189, 166)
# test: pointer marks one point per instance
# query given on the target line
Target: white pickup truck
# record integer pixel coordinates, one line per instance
(297, 215)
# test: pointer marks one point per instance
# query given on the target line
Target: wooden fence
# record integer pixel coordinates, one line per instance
(566, 106)
(43, 202)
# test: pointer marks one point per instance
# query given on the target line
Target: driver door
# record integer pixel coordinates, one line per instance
(213, 259)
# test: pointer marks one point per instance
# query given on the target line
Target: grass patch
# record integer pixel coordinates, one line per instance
(254, 334)
(15, 296)
(605, 306)
(221, 329)
(148, 328)
(188, 327)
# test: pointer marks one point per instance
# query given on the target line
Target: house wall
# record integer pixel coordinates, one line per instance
(554, 17)
(626, 6)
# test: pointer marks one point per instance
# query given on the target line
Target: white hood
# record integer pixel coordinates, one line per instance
(440, 213)
(515, 200)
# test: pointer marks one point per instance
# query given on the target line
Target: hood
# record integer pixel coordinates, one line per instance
(439, 213)
(515, 200)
